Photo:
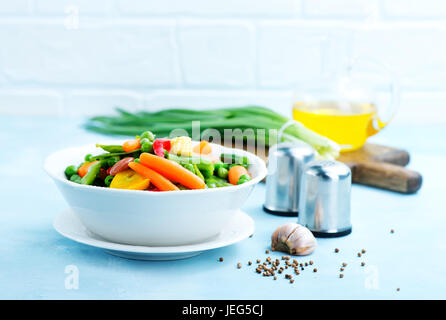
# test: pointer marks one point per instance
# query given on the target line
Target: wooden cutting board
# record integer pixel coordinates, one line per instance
(381, 167)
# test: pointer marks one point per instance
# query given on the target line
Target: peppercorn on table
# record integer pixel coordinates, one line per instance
(397, 248)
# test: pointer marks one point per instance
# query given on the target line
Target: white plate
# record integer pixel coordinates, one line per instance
(240, 227)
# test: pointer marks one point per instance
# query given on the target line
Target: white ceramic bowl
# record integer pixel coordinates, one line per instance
(151, 218)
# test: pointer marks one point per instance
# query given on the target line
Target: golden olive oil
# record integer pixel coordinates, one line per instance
(349, 124)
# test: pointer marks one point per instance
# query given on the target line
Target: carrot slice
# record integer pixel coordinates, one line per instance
(131, 145)
(172, 171)
(235, 173)
(83, 169)
(197, 148)
(203, 147)
(156, 179)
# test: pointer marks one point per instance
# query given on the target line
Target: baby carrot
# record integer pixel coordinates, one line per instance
(235, 173)
(83, 169)
(131, 145)
(172, 171)
(156, 179)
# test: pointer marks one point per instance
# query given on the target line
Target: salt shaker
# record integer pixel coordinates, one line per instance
(325, 198)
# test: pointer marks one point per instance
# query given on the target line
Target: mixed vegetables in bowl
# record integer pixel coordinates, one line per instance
(135, 217)
(160, 164)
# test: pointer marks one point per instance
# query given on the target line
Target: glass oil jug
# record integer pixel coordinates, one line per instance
(349, 106)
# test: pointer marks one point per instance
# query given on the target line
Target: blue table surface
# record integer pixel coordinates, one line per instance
(34, 257)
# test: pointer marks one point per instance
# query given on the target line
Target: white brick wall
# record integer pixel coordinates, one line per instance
(14, 7)
(356, 9)
(80, 57)
(61, 7)
(414, 9)
(211, 8)
(216, 54)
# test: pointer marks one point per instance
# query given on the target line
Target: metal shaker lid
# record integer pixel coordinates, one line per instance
(325, 198)
(286, 162)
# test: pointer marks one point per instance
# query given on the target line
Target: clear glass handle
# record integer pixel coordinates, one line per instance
(379, 122)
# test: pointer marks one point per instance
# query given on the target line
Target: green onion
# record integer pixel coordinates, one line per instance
(239, 119)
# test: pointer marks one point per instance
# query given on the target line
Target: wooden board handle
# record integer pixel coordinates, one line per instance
(386, 176)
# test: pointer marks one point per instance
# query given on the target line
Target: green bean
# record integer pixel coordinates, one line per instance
(206, 171)
(234, 159)
(211, 185)
(110, 148)
(108, 180)
(218, 182)
(204, 165)
(112, 154)
(189, 167)
(88, 157)
(197, 171)
(243, 178)
(92, 173)
(76, 178)
(184, 159)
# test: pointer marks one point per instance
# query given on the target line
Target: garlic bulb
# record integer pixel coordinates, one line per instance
(294, 239)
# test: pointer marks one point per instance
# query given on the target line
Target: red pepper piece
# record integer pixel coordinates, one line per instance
(160, 146)
(167, 145)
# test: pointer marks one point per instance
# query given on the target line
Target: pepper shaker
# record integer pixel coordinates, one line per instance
(286, 162)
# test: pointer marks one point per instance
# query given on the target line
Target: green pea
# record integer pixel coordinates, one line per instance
(136, 160)
(148, 135)
(218, 164)
(108, 180)
(76, 178)
(222, 172)
(147, 146)
(70, 170)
